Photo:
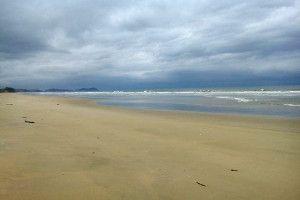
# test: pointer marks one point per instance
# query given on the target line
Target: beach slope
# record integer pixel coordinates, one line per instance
(62, 148)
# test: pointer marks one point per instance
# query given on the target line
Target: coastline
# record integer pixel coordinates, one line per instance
(256, 103)
(77, 149)
(213, 113)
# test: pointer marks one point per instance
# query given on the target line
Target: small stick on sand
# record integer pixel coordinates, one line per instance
(203, 185)
(30, 122)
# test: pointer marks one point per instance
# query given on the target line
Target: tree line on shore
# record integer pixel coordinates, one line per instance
(7, 89)
(11, 90)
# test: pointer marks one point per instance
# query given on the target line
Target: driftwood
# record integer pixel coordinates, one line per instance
(30, 122)
(203, 185)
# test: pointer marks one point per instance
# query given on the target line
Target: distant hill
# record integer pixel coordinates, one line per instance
(87, 90)
(10, 89)
(58, 90)
(77, 90)
(7, 89)
(31, 90)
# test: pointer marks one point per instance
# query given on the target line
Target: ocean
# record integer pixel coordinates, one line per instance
(276, 101)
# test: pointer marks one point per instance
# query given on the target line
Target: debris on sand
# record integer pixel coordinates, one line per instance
(234, 170)
(9, 104)
(30, 122)
(203, 185)
(57, 104)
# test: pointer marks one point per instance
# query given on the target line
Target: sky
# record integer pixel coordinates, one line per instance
(126, 44)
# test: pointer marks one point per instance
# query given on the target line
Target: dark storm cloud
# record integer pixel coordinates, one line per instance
(147, 43)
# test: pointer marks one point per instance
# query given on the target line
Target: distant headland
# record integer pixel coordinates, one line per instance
(11, 90)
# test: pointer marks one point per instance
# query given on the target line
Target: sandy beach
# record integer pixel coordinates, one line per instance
(62, 148)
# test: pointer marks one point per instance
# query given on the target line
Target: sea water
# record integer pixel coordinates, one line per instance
(257, 101)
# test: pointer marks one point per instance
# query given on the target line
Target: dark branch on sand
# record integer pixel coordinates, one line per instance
(30, 122)
(203, 185)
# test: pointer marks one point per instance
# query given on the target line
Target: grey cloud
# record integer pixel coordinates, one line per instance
(145, 41)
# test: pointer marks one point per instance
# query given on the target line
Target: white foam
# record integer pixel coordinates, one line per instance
(222, 97)
(289, 93)
(239, 99)
(293, 105)
(242, 99)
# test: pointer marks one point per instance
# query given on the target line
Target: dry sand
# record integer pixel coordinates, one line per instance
(78, 150)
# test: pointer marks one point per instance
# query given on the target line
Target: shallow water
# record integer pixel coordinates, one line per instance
(283, 102)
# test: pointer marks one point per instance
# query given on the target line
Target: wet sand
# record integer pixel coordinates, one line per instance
(75, 149)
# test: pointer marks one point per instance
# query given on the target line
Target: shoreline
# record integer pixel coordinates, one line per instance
(77, 149)
(229, 114)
